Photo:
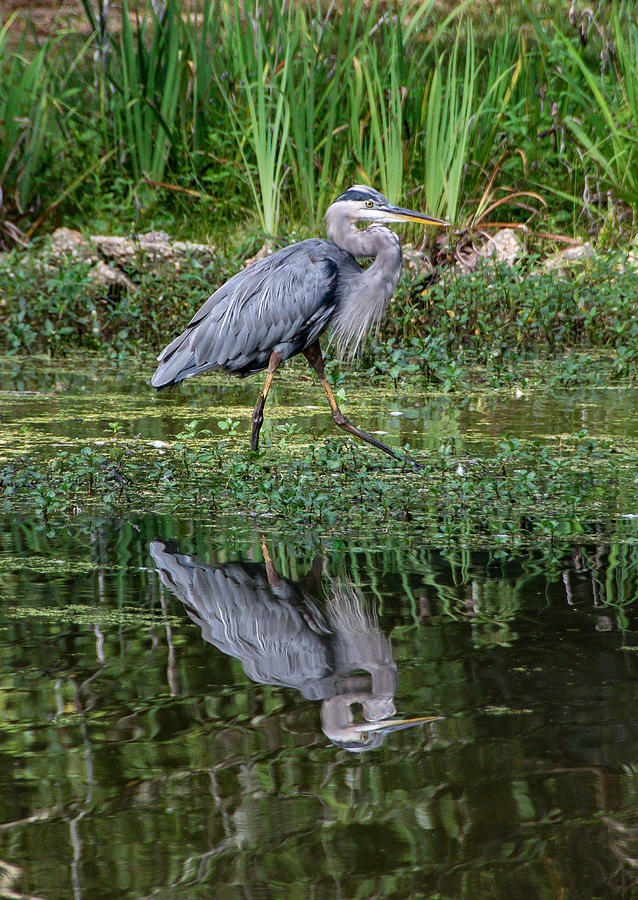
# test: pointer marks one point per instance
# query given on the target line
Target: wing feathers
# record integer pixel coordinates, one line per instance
(282, 303)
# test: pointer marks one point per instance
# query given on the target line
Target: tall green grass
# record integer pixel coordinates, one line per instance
(386, 123)
(447, 109)
(25, 106)
(259, 106)
(276, 108)
(144, 69)
(598, 107)
(324, 66)
(610, 137)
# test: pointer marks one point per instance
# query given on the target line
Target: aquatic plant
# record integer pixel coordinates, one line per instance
(518, 493)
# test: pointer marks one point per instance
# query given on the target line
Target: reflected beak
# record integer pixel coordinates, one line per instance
(393, 213)
(386, 726)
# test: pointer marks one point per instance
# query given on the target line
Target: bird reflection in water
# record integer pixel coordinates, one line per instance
(283, 634)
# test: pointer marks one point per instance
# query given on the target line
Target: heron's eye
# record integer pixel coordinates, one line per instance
(369, 204)
(364, 734)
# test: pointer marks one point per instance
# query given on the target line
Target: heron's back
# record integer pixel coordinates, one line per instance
(280, 304)
(279, 638)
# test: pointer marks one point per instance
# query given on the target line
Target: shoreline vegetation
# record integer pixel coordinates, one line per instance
(225, 124)
(124, 297)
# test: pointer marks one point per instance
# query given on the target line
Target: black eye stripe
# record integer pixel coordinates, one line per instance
(353, 195)
(362, 196)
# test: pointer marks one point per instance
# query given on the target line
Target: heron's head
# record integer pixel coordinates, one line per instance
(363, 204)
(338, 723)
(357, 738)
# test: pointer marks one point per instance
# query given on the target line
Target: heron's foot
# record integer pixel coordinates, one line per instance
(409, 461)
(314, 357)
(345, 423)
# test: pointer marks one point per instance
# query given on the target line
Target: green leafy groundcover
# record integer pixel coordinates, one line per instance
(489, 317)
(512, 493)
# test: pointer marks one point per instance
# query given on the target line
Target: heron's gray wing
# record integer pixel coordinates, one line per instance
(281, 303)
(238, 612)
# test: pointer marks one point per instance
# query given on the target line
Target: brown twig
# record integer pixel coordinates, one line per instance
(173, 187)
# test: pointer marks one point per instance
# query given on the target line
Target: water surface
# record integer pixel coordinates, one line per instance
(139, 759)
(208, 704)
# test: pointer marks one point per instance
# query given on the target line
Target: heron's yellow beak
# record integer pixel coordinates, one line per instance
(393, 213)
(388, 725)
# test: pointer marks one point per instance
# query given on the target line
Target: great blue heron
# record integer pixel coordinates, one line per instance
(280, 306)
(284, 635)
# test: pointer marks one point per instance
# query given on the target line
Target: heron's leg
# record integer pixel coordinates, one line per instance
(314, 357)
(258, 414)
(271, 572)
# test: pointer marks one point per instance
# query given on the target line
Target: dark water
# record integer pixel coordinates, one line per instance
(138, 758)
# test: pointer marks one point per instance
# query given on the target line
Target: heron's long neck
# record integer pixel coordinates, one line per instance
(366, 293)
(363, 243)
(383, 273)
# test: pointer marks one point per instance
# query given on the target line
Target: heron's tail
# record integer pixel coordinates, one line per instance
(176, 362)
